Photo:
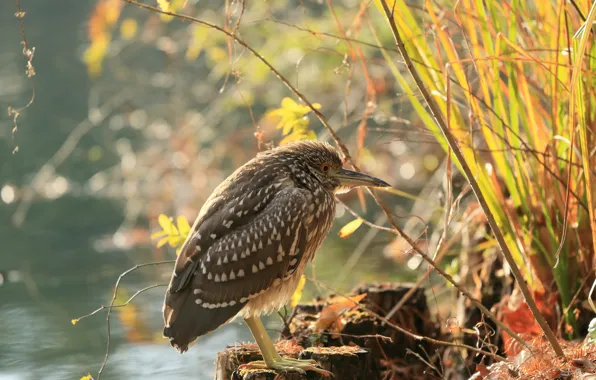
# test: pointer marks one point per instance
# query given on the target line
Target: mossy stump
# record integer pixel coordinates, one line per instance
(345, 363)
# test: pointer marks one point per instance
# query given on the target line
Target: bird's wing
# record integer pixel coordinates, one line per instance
(237, 267)
(248, 261)
(235, 202)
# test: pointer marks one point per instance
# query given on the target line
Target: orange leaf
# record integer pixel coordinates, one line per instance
(330, 315)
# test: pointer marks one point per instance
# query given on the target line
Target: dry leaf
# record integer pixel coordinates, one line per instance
(330, 315)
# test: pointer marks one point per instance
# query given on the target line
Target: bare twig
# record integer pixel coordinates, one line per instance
(436, 113)
(108, 314)
(30, 71)
(103, 307)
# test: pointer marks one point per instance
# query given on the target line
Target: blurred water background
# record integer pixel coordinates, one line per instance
(69, 225)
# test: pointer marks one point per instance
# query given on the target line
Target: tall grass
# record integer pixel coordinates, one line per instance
(516, 90)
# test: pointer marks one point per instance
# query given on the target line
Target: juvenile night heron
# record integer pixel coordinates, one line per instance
(251, 242)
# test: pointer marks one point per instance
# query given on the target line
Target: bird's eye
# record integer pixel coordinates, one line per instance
(325, 168)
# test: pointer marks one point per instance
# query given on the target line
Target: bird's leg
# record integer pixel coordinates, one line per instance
(271, 358)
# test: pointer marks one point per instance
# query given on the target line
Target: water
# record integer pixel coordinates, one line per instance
(51, 266)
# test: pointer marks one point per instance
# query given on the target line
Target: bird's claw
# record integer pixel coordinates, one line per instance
(288, 365)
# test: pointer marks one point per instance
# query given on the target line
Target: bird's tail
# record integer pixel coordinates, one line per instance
(185, 320)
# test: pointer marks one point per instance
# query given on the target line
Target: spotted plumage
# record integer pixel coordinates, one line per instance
(253, 238)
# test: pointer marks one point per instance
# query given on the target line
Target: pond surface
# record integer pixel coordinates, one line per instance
(51, 266)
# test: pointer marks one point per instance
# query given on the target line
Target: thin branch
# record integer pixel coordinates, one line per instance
(108, 314)
(103, 307)
(436, 113)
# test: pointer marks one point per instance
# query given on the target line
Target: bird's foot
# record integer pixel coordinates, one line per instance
(288, 365)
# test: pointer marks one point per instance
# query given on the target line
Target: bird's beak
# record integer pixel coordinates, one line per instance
(349, 178)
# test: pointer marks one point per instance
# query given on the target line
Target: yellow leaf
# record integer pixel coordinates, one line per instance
(175, 241)
(162, 242)
(87, 377)
(349, 228)
(167, 225)
(164, 5)
(183, 226)
(74, 321)
(288, 103)
(158, 234)
(298, 292)
(128, 29)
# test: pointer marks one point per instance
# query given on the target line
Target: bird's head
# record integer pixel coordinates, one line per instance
(322, 163)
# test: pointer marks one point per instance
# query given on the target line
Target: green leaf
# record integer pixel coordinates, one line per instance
(591, 337)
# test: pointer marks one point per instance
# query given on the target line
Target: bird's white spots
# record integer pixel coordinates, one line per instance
(219, 261)
(293, 262)
(198, 301)
(239, 213)
(261, 265)
(254, 269)
(224, 277)
(213, 236)
(247, 252)
(269, 261)
(232, 209)
(228, 223)
(188, 259)
(225, 259)
(197, 291)
(217, 279)
(276, 282)
(204, 270)
(198, 236)
(224, 304)
(243, 299)
(254, 247)
(232, 303)
(241, 273)
(241, 202)
(280, 258)
(269, 242)
(232, 275)
(260, 245)
(210, 276)
(259, 192)
(274, 229)
(278, 237)
(245, 212)
(281, 222)
(233, 245)
(198, 248)
(288, 232)
(277, 185)
(239, 242)
(311, 208)
(235, 257)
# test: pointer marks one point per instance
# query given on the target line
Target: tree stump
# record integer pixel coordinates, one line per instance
(388, 347)
(346, 363)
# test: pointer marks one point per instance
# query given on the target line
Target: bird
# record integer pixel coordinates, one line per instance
(251, 241)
